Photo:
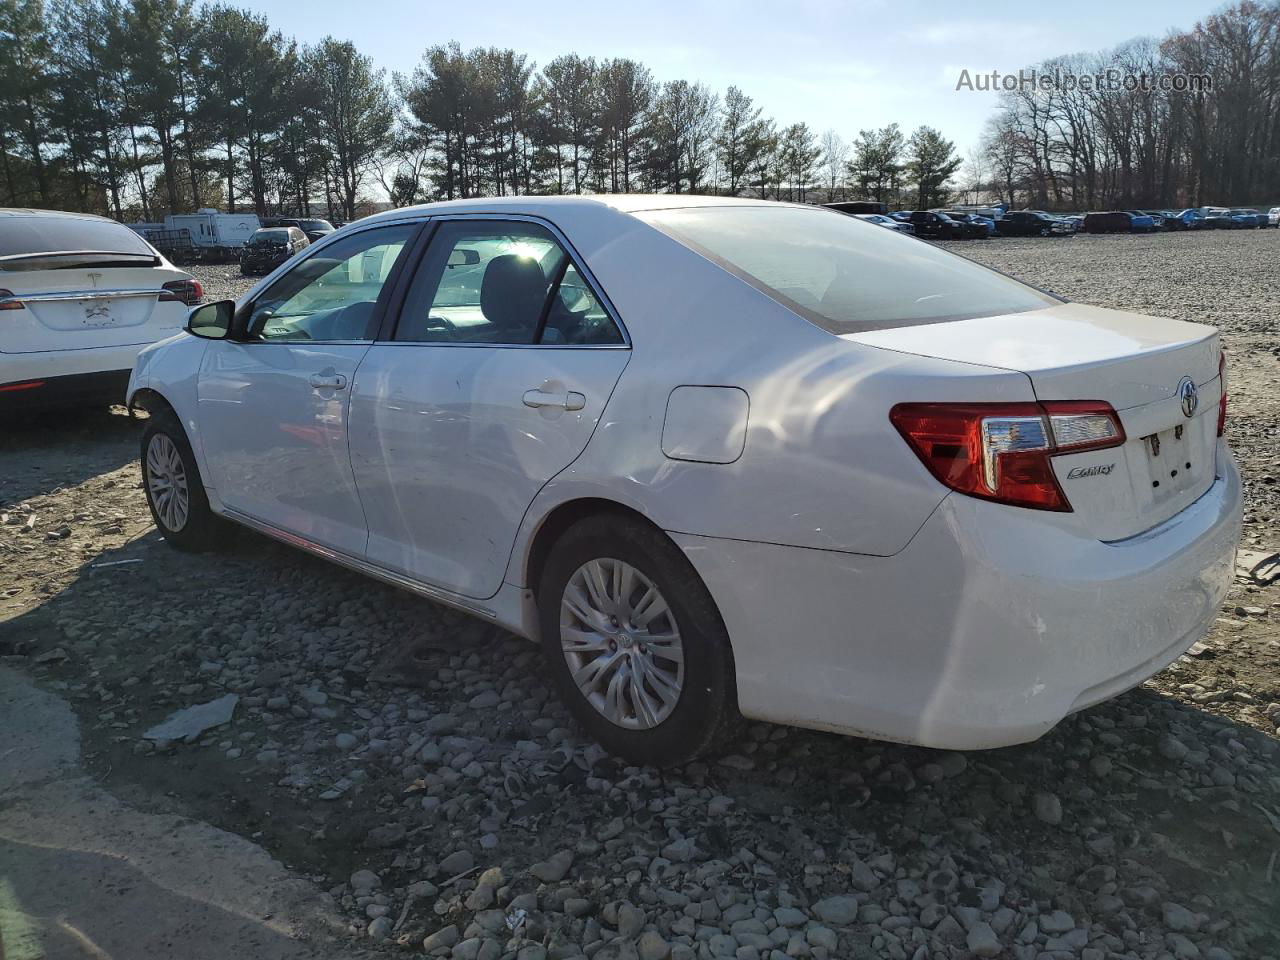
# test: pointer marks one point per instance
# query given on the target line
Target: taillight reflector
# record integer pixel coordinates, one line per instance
(1002, 451)
(29, 385)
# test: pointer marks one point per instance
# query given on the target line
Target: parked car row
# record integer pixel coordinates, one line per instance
(1192, 218)
(213, 237)
(974, 222)
(943, 223)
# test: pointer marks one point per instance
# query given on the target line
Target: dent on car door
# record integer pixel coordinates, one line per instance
(273, 407)
(501, 364)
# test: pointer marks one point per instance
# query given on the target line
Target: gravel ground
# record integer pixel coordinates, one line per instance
(417, 766)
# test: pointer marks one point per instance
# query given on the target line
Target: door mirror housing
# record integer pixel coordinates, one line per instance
(212, 321)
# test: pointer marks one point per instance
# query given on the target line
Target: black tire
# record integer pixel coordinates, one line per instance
(202, 528)
(706, 711)
(1044, 231)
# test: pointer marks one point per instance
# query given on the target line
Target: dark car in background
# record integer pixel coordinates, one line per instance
(1032, 223)
(1248, 218)
(936, 226)
(313, 227)
(1156, 216)
(1189, 219)
(1219, 218)
(1108, 221)
(1140, 222)
(972, 226)
(270, 247)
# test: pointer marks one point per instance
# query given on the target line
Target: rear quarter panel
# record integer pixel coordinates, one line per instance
(822, 466)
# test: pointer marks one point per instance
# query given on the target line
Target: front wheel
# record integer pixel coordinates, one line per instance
(175, 492)
(635, 642)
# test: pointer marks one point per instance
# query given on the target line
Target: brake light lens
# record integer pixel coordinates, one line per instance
(1002, 451)
(183, 291)
(7, 301)
(1222, 400)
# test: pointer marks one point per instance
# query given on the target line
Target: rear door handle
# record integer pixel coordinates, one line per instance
(335, 382)
(570, 400)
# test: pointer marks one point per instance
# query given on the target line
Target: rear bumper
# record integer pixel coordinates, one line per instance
(64, 392)
(66, 378)
(986, 630)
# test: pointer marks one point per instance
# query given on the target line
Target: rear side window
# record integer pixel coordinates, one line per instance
(23, 236)
(843, 274)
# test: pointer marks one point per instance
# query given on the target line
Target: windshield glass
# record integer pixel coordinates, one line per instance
(314, 225)
(272, 238)
(27, 236)
(843, 274)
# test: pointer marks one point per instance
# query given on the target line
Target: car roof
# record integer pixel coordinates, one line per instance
(575, 206)
(52, 214)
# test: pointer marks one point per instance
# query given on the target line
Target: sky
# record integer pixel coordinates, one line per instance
(845, 66)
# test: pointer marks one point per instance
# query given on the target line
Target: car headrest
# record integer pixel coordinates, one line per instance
(512, 292)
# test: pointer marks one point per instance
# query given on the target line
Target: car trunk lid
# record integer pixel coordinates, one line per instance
(1141, 366)
(85, 306)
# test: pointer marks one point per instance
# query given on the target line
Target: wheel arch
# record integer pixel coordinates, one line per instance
(152, 401)
(558, 520)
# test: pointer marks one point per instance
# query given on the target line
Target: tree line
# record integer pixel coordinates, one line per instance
(138, 108)
(1075, 148)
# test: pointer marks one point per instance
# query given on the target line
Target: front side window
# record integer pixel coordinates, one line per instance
(841, 274)
(333, 295)
(487, 281)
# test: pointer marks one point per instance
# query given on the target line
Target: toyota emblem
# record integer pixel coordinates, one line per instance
(1189, 396)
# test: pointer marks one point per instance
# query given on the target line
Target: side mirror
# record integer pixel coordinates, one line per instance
(212, 321)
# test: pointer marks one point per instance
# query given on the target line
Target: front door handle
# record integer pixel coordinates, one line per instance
(570, 400)
(335, 382)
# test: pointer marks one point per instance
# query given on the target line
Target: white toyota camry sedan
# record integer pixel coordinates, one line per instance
(721, 458)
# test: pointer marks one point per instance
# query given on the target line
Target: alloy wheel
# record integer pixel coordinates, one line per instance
(621, 643)
(167, 482)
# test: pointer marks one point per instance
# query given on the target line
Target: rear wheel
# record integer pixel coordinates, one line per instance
(175, 492)
(635, 642)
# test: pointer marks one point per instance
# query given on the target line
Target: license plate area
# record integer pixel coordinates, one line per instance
(1175, 461)
(99, 313)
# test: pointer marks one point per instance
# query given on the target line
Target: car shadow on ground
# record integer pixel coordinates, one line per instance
(1141, 799)
(44, 451)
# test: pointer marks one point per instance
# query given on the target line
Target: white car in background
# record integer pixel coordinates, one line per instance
(880, 220)
(1273, 217)
(79, 297)
(721, 457)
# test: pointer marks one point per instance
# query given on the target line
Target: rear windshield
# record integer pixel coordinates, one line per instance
(270, 237)
(841, 273)
(25, 236)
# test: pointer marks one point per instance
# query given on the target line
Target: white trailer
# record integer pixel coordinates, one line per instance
(215, 236)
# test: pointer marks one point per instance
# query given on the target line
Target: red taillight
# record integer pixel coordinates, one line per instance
(1222, 400)
(9, 302)
(183, 291)
(28, 385)
(1002, 451)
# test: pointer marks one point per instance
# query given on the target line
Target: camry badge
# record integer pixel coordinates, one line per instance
(1188, 395)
